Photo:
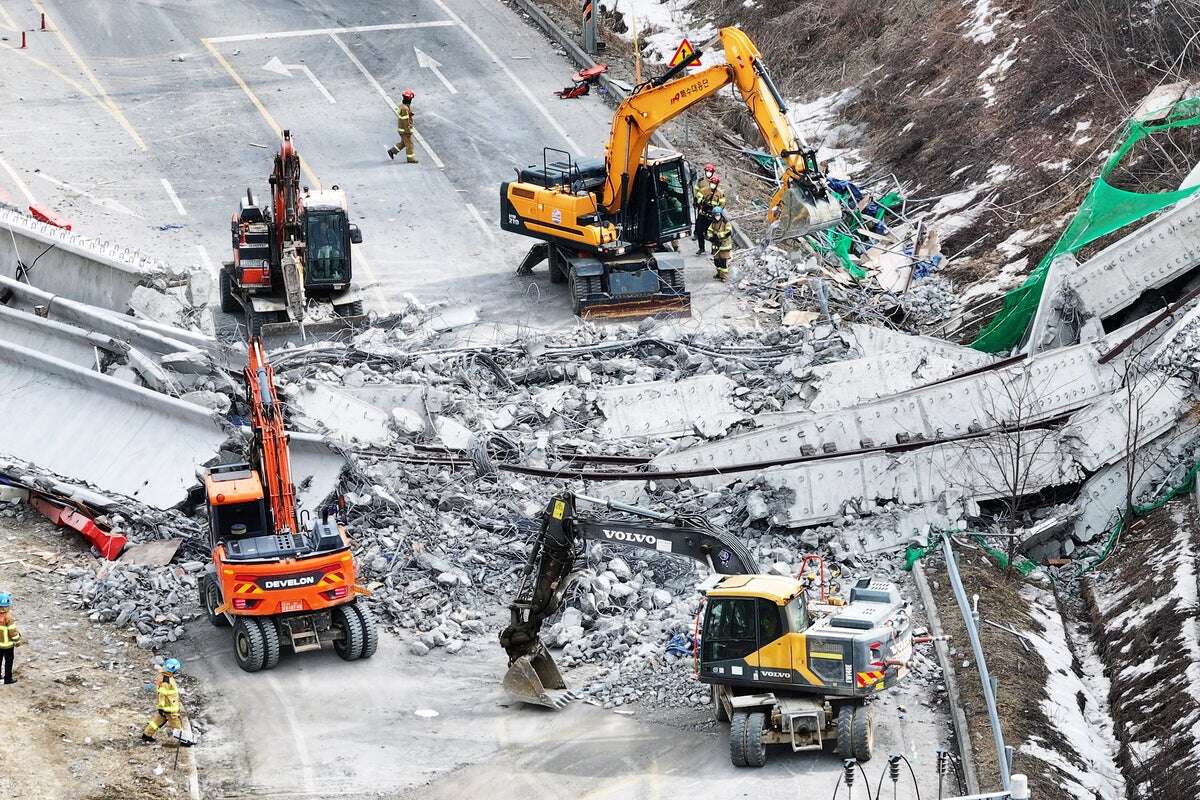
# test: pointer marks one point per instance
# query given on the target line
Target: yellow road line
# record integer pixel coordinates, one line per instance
(107, 101)
(79, 87)
(9, 22)
(275, 126)
(384, 306)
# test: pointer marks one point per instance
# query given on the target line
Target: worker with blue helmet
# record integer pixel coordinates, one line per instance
(167, 708)
(10, 637)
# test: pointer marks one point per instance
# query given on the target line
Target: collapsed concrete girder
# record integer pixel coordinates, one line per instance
(100, 431)
(90, 270)
(1150, 257)
(701, 404)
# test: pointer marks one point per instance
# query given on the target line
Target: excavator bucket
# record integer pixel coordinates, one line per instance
(535, 679)
(800, 213)
(277, 335)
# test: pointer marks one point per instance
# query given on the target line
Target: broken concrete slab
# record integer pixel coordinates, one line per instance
(151, 554)
(57, 339)
(100, 431)
(843, 384)
(320, 407)
(873, 340)
(701, 404)
(316, 467)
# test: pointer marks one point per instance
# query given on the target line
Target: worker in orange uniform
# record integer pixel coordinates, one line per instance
(10, 637)
(404, 126)
(720, 233)
(167, 709)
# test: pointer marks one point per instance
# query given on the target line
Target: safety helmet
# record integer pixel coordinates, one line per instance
(718, 211)
(172, 665)
(710, 167)
(5, 599)
(408, 94)
(715, 180)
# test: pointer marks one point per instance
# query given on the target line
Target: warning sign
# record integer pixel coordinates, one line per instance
(683, 53)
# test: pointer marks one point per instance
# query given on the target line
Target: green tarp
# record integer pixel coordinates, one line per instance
(1105, 209)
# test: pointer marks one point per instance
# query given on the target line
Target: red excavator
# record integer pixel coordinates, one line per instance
(293, 252)
(272, 580)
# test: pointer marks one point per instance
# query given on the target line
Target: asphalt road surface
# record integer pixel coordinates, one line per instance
(146, 121)
(318, 727)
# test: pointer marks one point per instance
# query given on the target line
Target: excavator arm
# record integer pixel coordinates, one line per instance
(533, 676)
(802, 201)
(270, 438)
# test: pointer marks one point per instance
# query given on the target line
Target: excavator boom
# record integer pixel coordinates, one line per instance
(266, 420)
(532, 675)
(802, 202)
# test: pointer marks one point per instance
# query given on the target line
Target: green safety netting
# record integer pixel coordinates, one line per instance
(838, 242)
(1104, 210)
(1140, 510)
(915, 552)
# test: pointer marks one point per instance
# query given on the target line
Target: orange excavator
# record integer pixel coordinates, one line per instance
(270, 578)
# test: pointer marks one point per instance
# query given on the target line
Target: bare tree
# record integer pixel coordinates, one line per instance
(1016, 460)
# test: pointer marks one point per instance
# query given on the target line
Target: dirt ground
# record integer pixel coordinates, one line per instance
(1022, 674)
(72, 721)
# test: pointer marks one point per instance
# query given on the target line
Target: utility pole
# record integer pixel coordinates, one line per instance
(589, 28)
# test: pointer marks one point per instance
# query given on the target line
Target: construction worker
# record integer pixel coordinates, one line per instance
(707, 196)
(10, 637)
(404, 126)
(167, 708)
(720, 233)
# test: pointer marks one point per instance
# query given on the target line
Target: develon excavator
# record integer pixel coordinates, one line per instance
(270, 578)
(295, 251)
(783, 670)
(606, 225)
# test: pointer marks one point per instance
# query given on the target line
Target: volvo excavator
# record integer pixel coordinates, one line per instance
(607, 225)
(276, 580)
(784, 667)
(291, 256)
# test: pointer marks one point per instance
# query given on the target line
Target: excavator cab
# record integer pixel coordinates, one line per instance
(659, 208)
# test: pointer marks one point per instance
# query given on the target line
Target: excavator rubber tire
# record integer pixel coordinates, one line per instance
(737, 738)
(845, 730)
(719, 712)
(862, 735)
(350, 646)
(248, 646)
(756, 748)
(270, 643)
(578, 289)
(229, 303)
(370, 631)
(210, 599)
(354, 309)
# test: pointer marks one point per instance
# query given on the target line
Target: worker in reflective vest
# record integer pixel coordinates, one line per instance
(720, 233)
(404, 127)
(10, 637)
(167, 709)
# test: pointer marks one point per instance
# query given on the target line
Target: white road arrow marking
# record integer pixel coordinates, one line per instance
(279, 68)
(426, 61)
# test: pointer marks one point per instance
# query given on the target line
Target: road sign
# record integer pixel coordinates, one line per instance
(682, 53)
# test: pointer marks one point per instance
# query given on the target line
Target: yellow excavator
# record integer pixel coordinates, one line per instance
(606, 225)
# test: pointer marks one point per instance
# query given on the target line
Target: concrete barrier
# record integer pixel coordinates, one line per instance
(89, 270)
(108, 434)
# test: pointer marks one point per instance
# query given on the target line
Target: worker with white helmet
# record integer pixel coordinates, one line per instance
(10, 637)
(167, 709)
(404, 127)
